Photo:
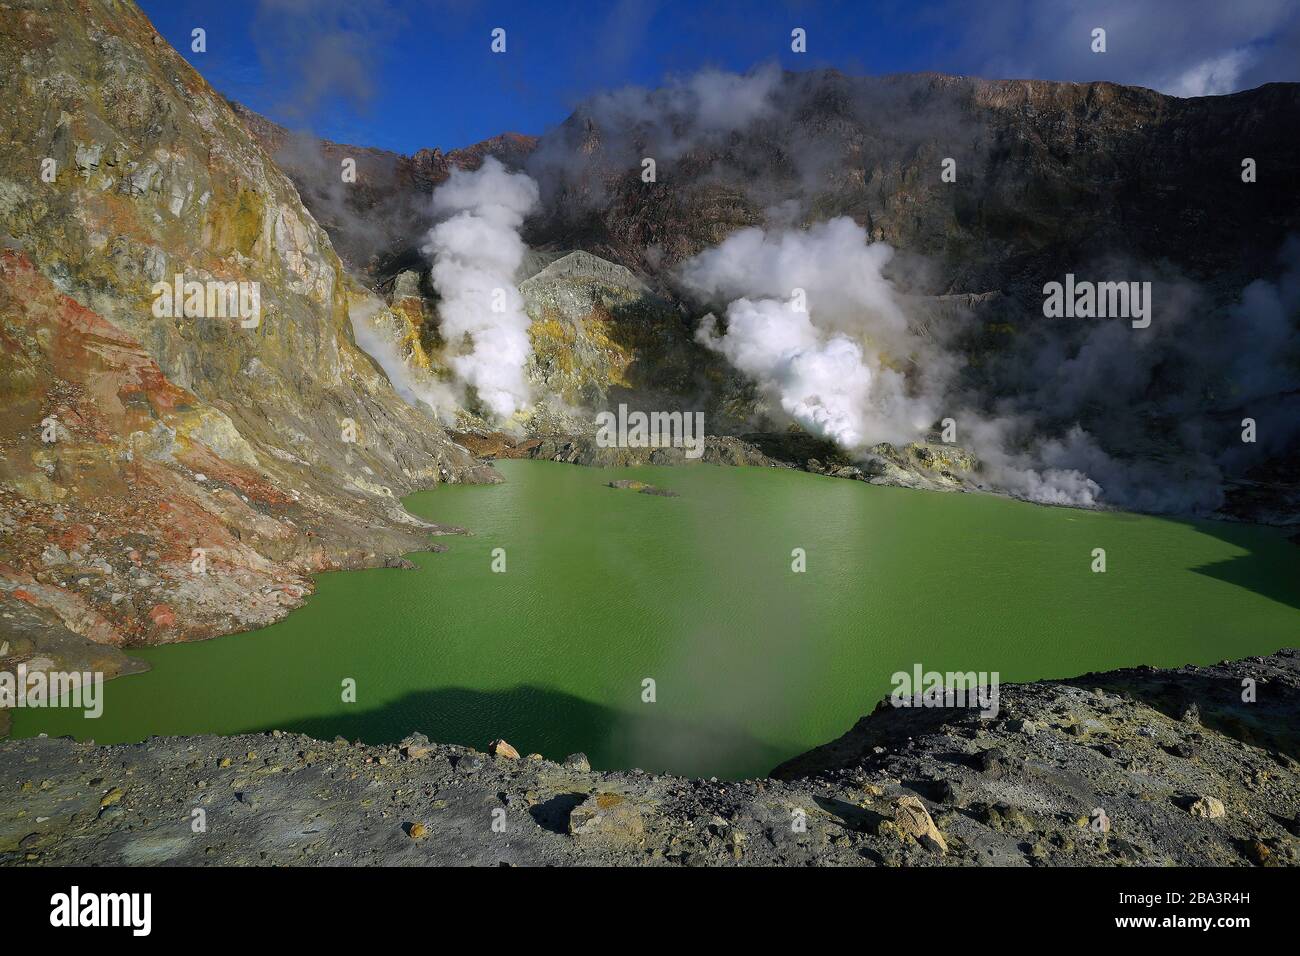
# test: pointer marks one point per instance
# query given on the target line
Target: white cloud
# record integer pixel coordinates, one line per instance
(1212, 77)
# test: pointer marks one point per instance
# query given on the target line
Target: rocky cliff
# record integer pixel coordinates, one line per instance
(1139, 767)
(1046, 173)
(168, 475)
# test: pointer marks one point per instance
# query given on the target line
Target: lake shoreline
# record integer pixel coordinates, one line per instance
(1143, 766)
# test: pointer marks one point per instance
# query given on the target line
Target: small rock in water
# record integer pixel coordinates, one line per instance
(641, 487)
(627, 483)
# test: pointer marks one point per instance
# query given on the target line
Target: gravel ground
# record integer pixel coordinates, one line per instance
(1143, 766)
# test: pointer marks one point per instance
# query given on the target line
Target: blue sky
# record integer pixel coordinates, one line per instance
(404, 74)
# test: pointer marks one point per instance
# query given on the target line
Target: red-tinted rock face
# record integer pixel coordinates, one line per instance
(112, 486)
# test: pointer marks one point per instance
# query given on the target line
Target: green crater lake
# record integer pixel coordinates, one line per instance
(752, 663)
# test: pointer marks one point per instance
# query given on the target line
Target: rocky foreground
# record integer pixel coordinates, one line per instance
(1133, 767)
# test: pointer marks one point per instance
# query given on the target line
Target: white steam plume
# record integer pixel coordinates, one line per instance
(835, 368)
(832, 367)
(1052, 420)
(475, 253)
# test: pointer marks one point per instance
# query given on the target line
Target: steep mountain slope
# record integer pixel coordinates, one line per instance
(378, 220)
(167, 478)
(1046, 173)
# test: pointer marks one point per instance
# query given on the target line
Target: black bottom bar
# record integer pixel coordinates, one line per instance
(334, 905)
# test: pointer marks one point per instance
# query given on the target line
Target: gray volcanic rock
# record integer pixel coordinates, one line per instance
(602, 337)
(1048, 172)
(583, 450)
(640, 487)
(1108, 769)
(925, 465)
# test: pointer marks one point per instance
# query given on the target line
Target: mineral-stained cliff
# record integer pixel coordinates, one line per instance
(1137, 767)
(165, 478)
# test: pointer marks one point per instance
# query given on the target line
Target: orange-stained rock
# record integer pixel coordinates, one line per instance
(499, 748)
(162, 616)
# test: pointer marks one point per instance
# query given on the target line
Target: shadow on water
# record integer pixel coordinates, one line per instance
(555, 724)
(1270, 567)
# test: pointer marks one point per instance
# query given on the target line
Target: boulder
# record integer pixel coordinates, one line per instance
(607, 816)
(913, 819)
(499, 748)
(1207, 808)
(416, 747)
(578, 762)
